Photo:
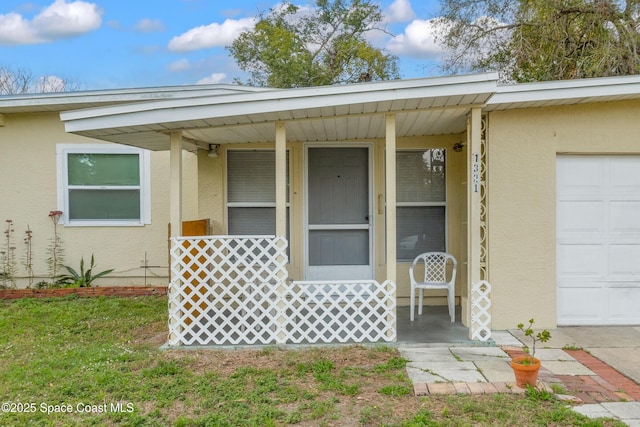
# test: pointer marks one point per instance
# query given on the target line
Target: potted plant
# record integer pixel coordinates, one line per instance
(525, 368)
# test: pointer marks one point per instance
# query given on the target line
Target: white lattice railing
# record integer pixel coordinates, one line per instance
(480, 311)
(341, 311)
(233, 291)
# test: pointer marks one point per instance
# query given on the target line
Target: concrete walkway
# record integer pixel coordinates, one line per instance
(598, 367)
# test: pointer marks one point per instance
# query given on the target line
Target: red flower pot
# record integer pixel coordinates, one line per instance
(525, 373)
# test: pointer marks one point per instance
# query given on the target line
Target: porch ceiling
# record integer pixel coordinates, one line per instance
(429, 106)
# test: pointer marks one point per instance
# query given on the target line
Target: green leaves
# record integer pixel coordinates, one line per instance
(290, 47)
(530, 40)
(83, 278)
(542, 336)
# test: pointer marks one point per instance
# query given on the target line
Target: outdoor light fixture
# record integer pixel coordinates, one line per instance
(457, 147)
(213, 150)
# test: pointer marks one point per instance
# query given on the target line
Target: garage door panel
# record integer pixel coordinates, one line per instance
(624, 217)
(624, 174)
(590, 220)
(623, 306)
(579, 261)
(578, 176)
(624, 260)
(598, 239)
(587, 308)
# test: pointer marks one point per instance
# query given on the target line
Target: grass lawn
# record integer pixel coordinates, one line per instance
(96, 361)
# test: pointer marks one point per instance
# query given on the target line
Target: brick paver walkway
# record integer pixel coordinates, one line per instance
(607, 385)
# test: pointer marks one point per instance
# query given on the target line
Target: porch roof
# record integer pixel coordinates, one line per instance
(427, 106)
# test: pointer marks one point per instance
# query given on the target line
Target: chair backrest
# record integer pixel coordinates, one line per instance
(435, 266)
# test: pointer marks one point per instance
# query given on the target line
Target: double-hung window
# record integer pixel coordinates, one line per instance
(105, 185)
(251, 192)
(421, 199)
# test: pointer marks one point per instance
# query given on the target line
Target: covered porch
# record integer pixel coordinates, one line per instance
(236, 288)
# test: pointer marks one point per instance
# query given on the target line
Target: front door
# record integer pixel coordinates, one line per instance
(338, 220)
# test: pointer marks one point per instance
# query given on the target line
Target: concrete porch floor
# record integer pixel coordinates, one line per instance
(432, 327)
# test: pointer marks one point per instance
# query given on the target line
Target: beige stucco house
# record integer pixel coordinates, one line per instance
(34, 149)
(534, 188)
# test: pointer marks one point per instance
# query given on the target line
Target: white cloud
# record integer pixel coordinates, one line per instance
(212, 79)
(63, 19)
(418, 40)
(59, 20)
(14, 29)
(179, 65)
(211, 35)
(399, 11)
(149, 25)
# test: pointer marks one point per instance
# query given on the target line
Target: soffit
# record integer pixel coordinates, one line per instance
(428, 106)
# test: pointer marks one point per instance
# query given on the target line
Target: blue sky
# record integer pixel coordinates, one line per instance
(105, 44)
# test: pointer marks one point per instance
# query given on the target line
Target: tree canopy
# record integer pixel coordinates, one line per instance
(533, 40)
(295, 47)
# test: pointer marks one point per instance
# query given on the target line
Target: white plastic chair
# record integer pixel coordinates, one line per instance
(435, 277)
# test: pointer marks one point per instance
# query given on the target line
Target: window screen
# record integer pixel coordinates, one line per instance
(421, 202)
(251, 192)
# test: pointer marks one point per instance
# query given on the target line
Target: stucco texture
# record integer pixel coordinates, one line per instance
(29, 191)
(522, 150)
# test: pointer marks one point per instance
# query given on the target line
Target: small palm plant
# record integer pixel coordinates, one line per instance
(83, 278)
(542, 336)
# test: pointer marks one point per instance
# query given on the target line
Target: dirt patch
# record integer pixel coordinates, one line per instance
(366, 407)
(225, 362)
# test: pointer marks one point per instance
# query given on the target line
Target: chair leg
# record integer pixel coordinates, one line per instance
(451, 300)
(412, 303)
(420, 301)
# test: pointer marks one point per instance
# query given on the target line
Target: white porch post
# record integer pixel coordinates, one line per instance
(175, 218)
(473, 207)
(281, 221)
(390, 190)
(175, 187)
(281, 179)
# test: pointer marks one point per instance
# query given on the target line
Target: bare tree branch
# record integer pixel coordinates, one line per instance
(18, 81)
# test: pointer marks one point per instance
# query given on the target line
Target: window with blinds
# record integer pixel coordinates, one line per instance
(251, 192)
(421, 202)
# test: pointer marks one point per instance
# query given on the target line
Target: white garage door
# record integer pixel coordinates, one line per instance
(598, 240)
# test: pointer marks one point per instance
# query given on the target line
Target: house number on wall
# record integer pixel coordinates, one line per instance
(475, 174)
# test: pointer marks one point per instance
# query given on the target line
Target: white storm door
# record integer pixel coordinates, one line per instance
(338, 217)
(598, 240)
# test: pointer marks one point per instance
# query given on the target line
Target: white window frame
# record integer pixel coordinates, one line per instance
(431, 204)
(144, 156)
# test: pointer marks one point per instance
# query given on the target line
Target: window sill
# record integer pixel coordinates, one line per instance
(104, 224)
